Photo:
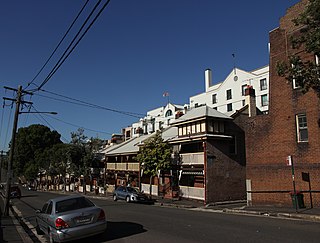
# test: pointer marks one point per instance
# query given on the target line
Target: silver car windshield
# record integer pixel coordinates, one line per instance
(73, 204)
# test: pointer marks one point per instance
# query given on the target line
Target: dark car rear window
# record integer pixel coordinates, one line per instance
(73, 204)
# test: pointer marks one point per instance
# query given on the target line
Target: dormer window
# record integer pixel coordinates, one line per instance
(168, 113)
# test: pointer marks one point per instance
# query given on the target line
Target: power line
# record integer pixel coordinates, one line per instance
(44, 120)
(84, 103)
(77, 126)
(65, 56)
(54, 51)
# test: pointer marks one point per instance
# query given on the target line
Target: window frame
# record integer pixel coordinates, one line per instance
(302, 126)
(263, 84)
(266, 103)
(214, 99)
(229, 94)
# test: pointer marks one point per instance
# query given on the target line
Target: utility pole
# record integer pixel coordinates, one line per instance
(13, 138)
(1, 159)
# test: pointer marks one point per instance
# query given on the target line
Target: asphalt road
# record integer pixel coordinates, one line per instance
(128, 222)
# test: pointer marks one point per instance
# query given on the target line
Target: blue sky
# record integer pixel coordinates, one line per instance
(135, 51)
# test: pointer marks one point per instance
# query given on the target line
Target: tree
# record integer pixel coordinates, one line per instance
(87, 155)
(31, 142)
(306, 73)
(155, 156)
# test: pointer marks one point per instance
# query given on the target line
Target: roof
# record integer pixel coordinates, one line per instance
(132, 145)
(200, 112)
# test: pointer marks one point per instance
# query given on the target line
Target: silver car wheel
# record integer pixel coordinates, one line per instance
(115, 198)
(127, 199)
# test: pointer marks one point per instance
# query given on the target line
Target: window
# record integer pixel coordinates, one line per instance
(214, 98)
(243, 89)
(229, 107)
(49, 208)
(229, 95)
(302, 129)
(215, 126)
(263, 84)
(168, 113)
(264, 100)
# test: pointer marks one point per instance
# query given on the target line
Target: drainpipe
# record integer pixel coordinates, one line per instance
(205, 171)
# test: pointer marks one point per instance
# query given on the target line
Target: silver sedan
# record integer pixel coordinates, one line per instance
(70, 218)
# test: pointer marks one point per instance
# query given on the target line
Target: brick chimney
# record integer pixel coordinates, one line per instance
(251, 100)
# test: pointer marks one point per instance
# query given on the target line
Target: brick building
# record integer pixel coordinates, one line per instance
(290, 128)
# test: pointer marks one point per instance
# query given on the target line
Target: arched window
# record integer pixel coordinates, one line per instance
(169, 113)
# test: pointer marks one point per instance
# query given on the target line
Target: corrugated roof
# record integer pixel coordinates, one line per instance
(199, 112)
(132, 145)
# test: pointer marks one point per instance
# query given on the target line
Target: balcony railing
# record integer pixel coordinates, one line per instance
(192, 158)
(127, 166)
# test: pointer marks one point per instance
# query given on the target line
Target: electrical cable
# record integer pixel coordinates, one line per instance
(54, 51)
(84, 103)
(59, 63)
(44, 120)
(74, 125)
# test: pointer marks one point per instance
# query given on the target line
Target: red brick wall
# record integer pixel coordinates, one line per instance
(271, 138)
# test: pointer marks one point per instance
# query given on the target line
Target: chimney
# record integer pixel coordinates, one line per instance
(208, 78)
(251, 100)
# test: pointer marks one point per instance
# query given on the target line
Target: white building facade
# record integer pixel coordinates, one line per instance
(157, 119)
(228, 96)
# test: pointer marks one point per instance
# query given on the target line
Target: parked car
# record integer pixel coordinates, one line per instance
(130, 194)
(15, 191)
(70, 218)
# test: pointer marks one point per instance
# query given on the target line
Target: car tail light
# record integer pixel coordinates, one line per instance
(102, 215)
(60, 224)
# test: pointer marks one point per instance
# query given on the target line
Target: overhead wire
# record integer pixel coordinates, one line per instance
(44, 120)
(65, 54)
(60, 42)
(85, 103)
(74, 125)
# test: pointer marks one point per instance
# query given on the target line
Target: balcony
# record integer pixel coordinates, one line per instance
(126, 166)
(192, 158)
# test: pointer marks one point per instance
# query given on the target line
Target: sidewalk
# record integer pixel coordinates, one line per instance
(10, 228)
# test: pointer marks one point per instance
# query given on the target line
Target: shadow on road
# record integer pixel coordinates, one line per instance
(116, 230)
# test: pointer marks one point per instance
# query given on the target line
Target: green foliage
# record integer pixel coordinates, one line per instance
(31, 142)
(305, 73)
(85, 148)
(155, 155)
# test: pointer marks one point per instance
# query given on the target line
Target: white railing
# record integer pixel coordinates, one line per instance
(128, 166)
(192, 158)
(192, 192)
(146, 189)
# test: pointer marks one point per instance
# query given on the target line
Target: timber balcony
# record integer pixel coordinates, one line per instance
(126, 166)
(192, 158)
